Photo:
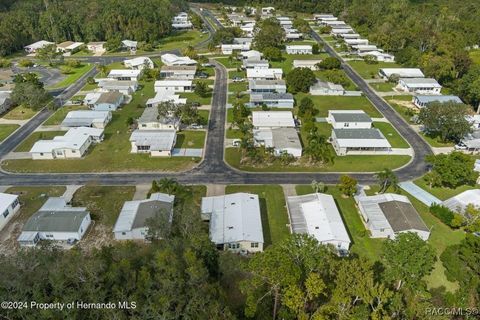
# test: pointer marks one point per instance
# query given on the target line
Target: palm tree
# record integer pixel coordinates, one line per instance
(386, 179)
(168, 185)
(317, 186)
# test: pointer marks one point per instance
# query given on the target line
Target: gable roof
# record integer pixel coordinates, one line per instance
(158, 140)
(350, 116)
(273, 119)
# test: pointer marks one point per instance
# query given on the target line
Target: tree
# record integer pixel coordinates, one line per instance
(407, 259)
(103, 69)
(453, 169)
(370, 59)
(29, 91)
(306, 106)
(201, 89)
(315, 48)
(49, 53)
(329, 63)
(387, 179)
(272, 54)
(300, 80)
(301, 25)
(317, 149)
(113, 44)
(190, 52)
(468, 87)
(472, 218)
(270, 34)
(4, 63)
(318, 186)
(348, 185)
(73, 63)
(446, 120)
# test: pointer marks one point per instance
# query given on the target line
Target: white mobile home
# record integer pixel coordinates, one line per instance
(421, 101)
(235, 222)
(178, 72)
(324, 88)
(55, 221)
(386, 73)
(32, 48)
(310, 64)
(173, 86)
(272, 119)
(419, 85)
(151, 120)
(171, 59)
(125, 75)
(87, 118)
(124, 87)
(352, 119)
(282, 140)
(273, 86)
(272, 100)
(265, 74)
(9, 205)
(359, 141)
(159, 143)
(5, 101)
(108, 101)
(298, 49)
(139, 63)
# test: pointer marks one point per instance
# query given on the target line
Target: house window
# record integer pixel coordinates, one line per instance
(254, 245)
(74, 151)
(59, 153)
(234, 245)
(6, 213)
(143, 148)
(382, 230)
(124, 233)
(15, 203)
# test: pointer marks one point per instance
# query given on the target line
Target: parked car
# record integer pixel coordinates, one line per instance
(196, 104)
(207, 65)
(236, 142)
(237, 79)
(460, 146)
(202, 75)
(196, 126)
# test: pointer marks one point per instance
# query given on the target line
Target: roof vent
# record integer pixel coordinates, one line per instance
(317, 227)
(230, 227)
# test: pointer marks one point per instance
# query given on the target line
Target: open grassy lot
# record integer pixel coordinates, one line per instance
(355, 163)
(19, 113)
(443, 193)
(6, 130)
(436, 142)
(287, 63)
(391, 134)
(233, 134)
(362, 244)
(322, 75)
(113, 154)
(61, 113)
(273, 210)
(193, 97)
(28, 143)
(73, 76)
(242, 98)
(399, 104)
(382, 86)
(369, 71)
(233, 74)
(190, 139)
(325, 103)
(103, 202)
(89, 87)
(441, 236)
(238, 86)
(229, 63)
(181, 39)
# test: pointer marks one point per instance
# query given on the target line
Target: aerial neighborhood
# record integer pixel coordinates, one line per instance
(209, 161)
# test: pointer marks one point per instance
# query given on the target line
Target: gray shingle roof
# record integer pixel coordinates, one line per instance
(358, 134)
(351, 117)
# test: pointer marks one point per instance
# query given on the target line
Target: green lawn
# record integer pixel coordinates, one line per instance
(193, 97)
(475, 56)
(74, 76)
(322, 76)
(241, 74)
(354, 163)
(229, 63)
(243, 98)
(397, 103)
(90, 87)
(233, 134)
(273, 210)
(6, 130)
(382, 86)
(443, 193)
(238, 86)
(61, 113)
(362, 244)
(369, 71)
(391, 134)
(28, 143)
(436, 141)
(190, 139)
(287, 63)
(32, 198)
(325, 103)
(113, 154)
(181, 39)
(19, 113)
(204, 114)
(103, 202)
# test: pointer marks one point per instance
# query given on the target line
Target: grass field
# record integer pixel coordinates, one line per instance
(382, 86)
(61, 113)
(229, 63)
(287, 63)
(443, 193)
(190, 139)
(90, 87)
(322, 76)
(241, 74)
(6, 130)
(355, 163)
(28, 143)
(475, 56)
(391, 134)
(181, 39)
(19, 113)
(242, 98)
(193, 97)
(404, 112)
(362, 244)
(74, 76)
(238, 86)
(369, 71)
(103, 202)
(113, 154)
(325, 103)
(436, 142)
(273, 210)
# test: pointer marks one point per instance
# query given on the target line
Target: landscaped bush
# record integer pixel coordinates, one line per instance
(443, 213)
(25, 63)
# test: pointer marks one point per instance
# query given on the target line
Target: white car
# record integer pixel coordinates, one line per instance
(236, 142)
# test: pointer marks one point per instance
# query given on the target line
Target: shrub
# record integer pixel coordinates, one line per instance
(25, 63)
(4, 63)
(443, 213)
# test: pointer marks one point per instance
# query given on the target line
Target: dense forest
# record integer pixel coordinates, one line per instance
(25, 21)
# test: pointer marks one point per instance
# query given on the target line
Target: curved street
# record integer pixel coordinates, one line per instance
(213, 169)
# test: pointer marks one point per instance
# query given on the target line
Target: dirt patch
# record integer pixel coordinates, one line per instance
(97, 236)
(405, 104)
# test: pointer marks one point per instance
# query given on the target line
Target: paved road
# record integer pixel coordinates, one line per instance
(213, 168)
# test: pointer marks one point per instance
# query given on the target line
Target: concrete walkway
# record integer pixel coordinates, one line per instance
(49, 128)
(392, 93)
(70, 191)
(17, 156)
(443, 150)
(419, 193)
(289, 190)
(380, 120)
(9, 121)
(215, 190)
(141, 191)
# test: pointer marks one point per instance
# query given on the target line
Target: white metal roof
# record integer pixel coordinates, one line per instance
(264, 73)
(307, 62)
(158, 140)
(73, 139)
(164, 96)
(85, 117)
(138, 61)
(251, 54)
(420, 82)
(323, 220)
(124, 73)
(38, 45)
(130, 43)
(171, 59)
(459, 202)
(6, 200)
(403, 72)
(234, 217)
(273, 119)
(173, 83)
(299, 47)
(360, 138)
